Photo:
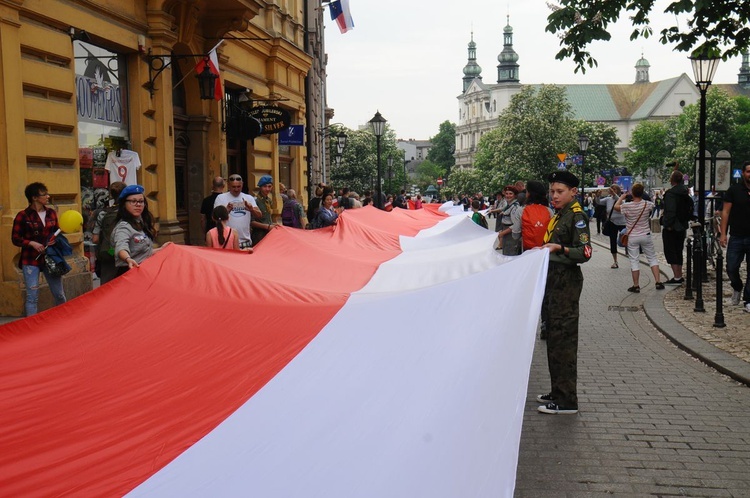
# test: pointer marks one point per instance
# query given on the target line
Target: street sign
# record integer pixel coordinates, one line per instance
(577, 159)
(600, 180)
(440, 181)
(561, 165)
(737, 174)
(562, 157)
(606, 172)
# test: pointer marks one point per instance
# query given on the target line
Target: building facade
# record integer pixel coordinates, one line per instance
(622, 106)
(81, 82)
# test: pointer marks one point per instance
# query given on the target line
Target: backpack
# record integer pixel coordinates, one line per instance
(106, 249)
(685, 210)
(482, 221)
(289, 214)
(534, 221)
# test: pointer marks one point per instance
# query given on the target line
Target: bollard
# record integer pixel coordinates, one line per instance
(689, 271)
(719, 316)
(699, 268)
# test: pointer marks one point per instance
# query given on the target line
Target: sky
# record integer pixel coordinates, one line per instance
(405, 58)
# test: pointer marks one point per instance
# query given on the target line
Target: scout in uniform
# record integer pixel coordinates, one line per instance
(567, 239)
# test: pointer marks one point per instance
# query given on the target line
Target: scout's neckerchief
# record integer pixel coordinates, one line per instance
(575, 207)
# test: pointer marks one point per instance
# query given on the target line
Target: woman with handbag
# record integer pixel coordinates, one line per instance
(33, 231)
(638, 234)
(614, 222)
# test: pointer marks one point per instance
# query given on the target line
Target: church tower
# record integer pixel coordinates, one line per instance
(744, 77)
(641, 70)
(471, 69)
(507, 70)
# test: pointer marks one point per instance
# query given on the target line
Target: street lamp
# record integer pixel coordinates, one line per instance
(704, 69)
(583, 144)
(378, 128)
(390, 174)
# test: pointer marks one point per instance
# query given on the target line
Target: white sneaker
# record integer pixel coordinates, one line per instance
(735, 298)
(747, 308)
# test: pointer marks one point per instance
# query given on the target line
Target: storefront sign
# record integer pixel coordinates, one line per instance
(273, 119)
(98, 101)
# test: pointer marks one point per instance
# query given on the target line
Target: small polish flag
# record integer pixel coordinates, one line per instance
(213, 65)
(341, 14)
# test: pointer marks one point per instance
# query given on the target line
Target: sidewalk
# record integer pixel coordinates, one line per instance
(652, 419)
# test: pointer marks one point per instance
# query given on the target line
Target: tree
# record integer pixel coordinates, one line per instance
(740, 147)
(535, 127)
(358, 169)
(602, 151)
(427, 174)
(443, 146)
(721, 118)
(652, 145)
(465, 181)
(710, 26)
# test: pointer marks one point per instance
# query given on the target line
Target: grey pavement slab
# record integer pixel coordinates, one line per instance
(653, 420)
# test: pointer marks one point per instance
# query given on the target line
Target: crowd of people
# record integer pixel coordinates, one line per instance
(552, 216)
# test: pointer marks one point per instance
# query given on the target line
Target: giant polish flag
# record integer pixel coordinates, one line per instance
(365, 360)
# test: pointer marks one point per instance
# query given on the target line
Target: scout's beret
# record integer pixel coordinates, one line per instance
(265, 180)
(130, 190)
(511, 188)
(565, 177)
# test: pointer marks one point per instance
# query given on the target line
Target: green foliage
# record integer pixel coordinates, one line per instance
(602, 151)
(469, 181)
(443, 146)
(713, 27)
(721, 119)
(533, 129)
(427, 174)
(358, 169)
(651, 144)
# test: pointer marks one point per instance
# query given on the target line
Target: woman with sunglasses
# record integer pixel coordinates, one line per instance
(134, 233)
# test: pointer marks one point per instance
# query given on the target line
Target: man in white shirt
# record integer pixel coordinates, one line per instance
(242, 208)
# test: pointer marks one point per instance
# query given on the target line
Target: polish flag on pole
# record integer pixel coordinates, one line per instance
(341, 14)
(213, 65)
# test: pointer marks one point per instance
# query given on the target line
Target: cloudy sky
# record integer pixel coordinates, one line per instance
(406, 58)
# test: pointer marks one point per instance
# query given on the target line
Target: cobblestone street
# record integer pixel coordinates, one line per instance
(653, 420)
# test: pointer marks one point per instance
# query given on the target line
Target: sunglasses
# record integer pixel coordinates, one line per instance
(235, 178)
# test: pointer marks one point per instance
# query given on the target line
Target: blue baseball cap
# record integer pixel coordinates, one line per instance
(131, 190)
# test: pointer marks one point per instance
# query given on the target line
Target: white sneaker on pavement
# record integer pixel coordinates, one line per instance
(747, 308)
(735, 298)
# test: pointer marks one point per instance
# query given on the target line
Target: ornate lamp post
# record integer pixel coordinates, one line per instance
(583, 144)
(704, 69)
(378, 128)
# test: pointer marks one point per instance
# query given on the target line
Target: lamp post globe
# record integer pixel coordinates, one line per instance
(378, 128)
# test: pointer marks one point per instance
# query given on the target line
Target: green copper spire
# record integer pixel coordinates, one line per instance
(507, 70)
(471, 69)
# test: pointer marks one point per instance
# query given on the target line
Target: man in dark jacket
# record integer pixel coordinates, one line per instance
(677, 208)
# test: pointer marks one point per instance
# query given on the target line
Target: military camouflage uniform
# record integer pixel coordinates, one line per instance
(570, 227)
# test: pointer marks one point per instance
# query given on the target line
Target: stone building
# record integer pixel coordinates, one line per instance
(622, 106)
(82, 80)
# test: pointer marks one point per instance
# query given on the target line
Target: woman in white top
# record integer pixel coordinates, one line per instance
(638, 223)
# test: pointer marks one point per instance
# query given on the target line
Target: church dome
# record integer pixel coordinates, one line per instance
(642, 62)
(472, 69)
